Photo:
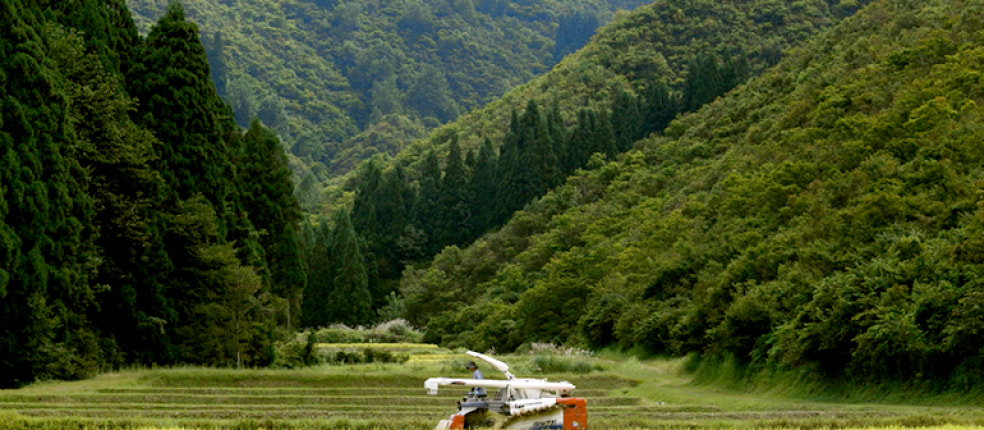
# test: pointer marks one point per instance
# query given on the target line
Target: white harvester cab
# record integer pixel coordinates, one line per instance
(533, 404)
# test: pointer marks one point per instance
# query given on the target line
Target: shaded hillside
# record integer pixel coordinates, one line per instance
(321, 72)
(827, 215)
(653, 44)
(635, 76)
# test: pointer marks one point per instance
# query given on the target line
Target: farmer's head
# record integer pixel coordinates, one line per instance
(471, 366)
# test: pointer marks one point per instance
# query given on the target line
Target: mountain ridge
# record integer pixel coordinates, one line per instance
(823, 216)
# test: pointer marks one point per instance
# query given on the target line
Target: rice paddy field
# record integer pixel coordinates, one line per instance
(622, 393)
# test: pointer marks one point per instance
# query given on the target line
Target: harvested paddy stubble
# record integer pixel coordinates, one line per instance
(626, 395)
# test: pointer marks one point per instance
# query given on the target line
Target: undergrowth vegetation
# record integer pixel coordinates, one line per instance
(388, 342)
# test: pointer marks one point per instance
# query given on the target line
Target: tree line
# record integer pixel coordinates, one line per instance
(138, 223)
(408, 217)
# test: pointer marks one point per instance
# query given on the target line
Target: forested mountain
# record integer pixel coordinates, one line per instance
(341, 80)
(138, 223)
(636, 75)
(794, 184)
(826, 216)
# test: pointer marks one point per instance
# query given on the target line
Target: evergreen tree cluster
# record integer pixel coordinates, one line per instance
(138, 223)
(410, 219)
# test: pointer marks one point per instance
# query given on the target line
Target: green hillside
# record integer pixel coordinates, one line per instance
(637, 74)
(322, 72)
(827, 216)
(655, 43)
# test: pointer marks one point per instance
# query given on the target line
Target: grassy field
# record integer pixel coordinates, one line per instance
(622, 393)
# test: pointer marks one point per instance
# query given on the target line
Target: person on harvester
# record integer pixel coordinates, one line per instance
(478, 392)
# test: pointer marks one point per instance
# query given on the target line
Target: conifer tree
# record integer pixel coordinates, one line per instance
(528, 166)
(370, 177)
(626, 120)
(483, 187)
(507, 171)
(178, 102)
(603, 135)
(703, 81)
(316, 243)
(427, 210)
(46, 243)
(453, 200)
(393, 204)
(126, 192)
(349, 301)
(661, 106)
(274, 212)
(579, 145)
(540, 170)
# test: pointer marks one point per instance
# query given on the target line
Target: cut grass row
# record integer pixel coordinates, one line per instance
(240, 400)
(333, 391)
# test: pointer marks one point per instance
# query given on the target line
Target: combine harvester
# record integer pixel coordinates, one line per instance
(521, 404)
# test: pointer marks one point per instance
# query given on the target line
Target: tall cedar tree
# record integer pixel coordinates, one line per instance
(178, 102)
(393, 204)
(349, 301)
(46, 245)
(626, 120)
(198, 143)
(483, 188)
(275, 213)
(455, 208)
(528, 166)
(316, 243)
(109, 30)
(427, 211)
(380, 214)
(126, 192)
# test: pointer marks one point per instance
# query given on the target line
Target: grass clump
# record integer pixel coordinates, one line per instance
(561, 364)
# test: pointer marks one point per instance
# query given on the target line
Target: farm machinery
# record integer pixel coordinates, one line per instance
(518, 404)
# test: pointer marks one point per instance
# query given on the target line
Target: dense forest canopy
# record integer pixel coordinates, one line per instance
(796, 185)
(637, 74)
(824, 216)
(129, 233)
(342, 80)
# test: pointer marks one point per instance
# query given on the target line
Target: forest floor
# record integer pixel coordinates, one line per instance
(622, 393)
